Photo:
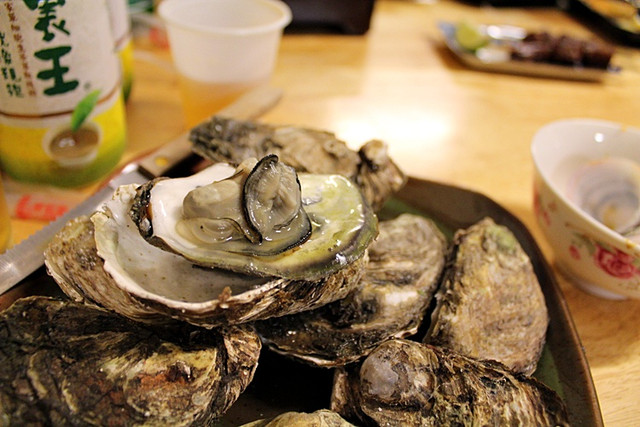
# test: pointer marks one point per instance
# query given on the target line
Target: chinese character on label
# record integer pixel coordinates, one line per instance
(48, 17)
(57, 71)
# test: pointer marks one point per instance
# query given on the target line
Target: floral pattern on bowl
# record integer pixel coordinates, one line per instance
(609, 259)
(583, 256)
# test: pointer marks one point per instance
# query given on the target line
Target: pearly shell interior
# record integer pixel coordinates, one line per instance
(609, 191)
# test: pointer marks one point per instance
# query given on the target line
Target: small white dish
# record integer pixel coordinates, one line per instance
(594, 154)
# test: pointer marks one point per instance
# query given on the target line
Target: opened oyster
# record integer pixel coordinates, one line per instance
(105, 260)
(490, 305)
(405, 262)
(63, 363)
(407, 383)
(306, 150)
(238, 220)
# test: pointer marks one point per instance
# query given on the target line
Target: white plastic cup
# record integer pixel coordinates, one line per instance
(222, 49)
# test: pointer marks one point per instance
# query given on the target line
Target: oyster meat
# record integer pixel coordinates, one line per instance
(64, 363)
(319, 418)
(105, 261)
(405, 262)
(257, 211)
(408, 383)
(307, 150)
(490, 305)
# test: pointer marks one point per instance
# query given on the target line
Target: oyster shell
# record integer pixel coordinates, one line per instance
(105, 261)
(490, 305)
(407, 383)
(307, 150)
(319, 418)
(342, 224)
(405, 262)
(63, 363)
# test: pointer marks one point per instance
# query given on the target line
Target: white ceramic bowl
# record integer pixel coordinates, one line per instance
(598, 259)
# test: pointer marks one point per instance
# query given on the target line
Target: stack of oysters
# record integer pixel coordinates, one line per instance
(176, 284)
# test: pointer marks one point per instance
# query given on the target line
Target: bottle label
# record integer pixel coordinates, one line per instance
(61, 115)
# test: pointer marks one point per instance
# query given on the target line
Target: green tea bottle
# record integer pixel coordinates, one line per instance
(62, 119)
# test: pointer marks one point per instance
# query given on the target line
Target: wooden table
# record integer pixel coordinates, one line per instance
(442, 121)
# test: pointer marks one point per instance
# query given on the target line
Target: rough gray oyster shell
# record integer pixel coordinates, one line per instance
(148, 284)
(490, 305)
(307, 150)
(407, 383)
(319, 418)
(405, 262)
(64, 363)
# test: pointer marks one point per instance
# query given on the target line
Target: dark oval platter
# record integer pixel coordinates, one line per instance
(283, 385)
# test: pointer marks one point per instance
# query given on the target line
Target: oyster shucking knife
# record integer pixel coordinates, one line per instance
(27, 256)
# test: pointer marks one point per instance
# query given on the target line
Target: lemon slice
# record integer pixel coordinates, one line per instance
(469, 36)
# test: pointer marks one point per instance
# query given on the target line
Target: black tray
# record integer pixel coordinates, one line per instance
(599, 23)
(282, 385)
(341, 16)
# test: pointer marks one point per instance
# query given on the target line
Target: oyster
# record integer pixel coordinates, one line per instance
(319, 418)
(105, 261)
(490, 305)
(227, 140)
(407, 383)
(342, 224)
(63, 363)
(405, 262)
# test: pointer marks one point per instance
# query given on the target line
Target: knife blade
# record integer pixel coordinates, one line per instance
(27, 256)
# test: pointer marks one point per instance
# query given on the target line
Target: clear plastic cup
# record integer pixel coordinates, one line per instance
(222, 49)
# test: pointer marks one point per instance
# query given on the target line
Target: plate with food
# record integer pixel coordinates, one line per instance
(294, 279)
(516, 50)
